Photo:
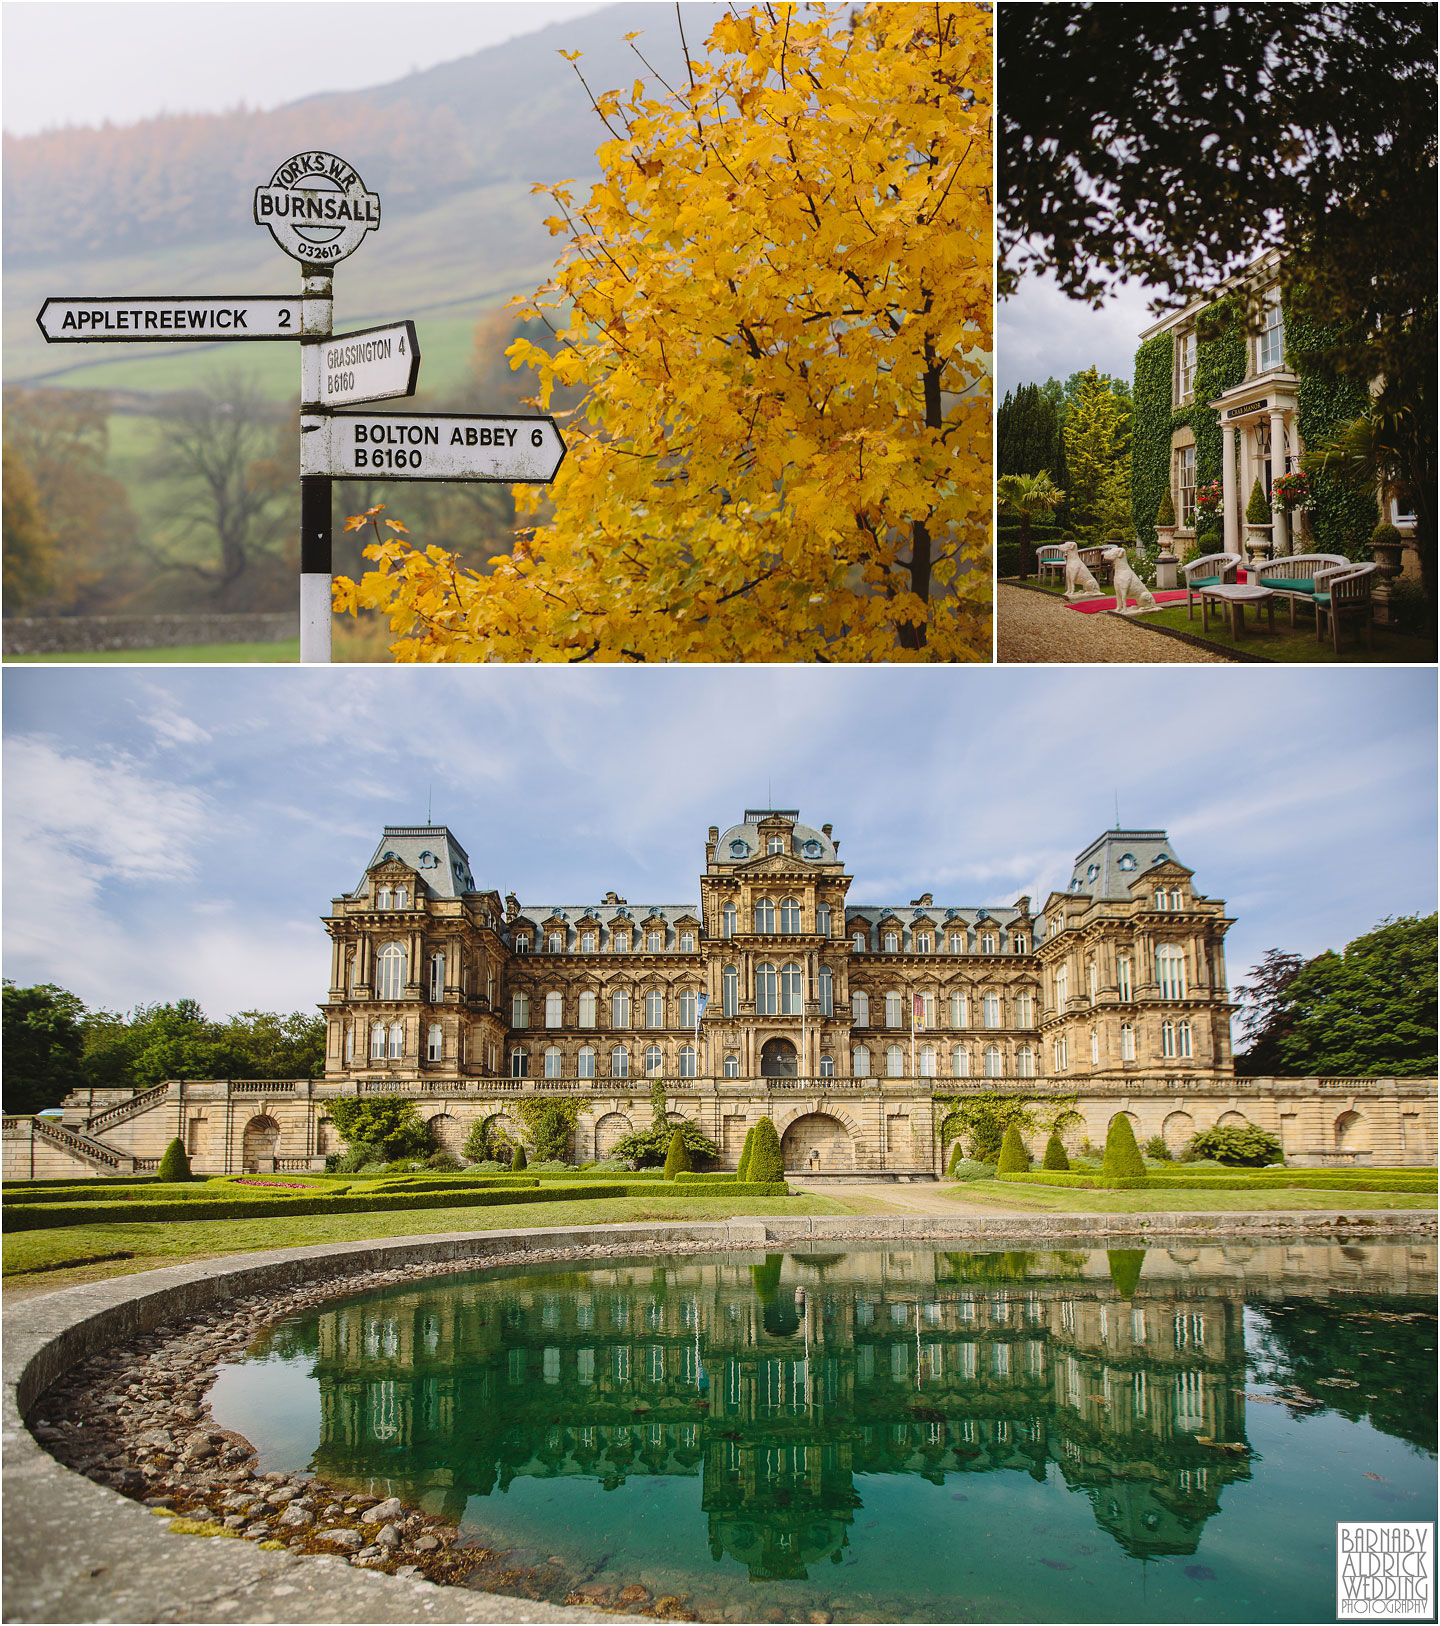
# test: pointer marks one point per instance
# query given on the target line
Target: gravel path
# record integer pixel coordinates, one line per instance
(1034, 627)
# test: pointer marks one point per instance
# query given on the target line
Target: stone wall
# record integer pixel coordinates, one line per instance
(84, 634)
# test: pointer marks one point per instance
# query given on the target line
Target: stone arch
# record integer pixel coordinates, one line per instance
(613, 1127)
(325, 1135)
(262, 1136)
(1177, 1130)
(1233, 1120)
(1134, 1121)
(778, 1059)
(449, 1132)
(783, 1119)
(817, 1141)
(1352, 1132)
(499, 1128)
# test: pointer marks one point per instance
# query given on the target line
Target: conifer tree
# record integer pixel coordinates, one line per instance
(174, 1165)
(1014, 1159)
(742, 1172)
(677, 1159)
(519, 1161)
(1055, 1157)
(766, 1163)
(1122, 1160)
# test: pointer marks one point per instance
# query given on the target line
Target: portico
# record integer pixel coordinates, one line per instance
(1259, 440)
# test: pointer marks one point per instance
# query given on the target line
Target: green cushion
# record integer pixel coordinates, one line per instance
(1284, 584)
(1323, 598)
(1204, 581)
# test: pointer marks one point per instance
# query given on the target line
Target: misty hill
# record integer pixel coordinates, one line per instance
(164, 206)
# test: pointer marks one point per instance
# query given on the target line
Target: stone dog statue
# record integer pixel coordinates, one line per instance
(1127, 584)
(1079, 583)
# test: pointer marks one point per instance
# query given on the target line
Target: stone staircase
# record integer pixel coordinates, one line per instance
(127, 1109)
(86, 1147)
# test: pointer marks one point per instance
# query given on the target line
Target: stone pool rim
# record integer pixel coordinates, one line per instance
(113, 1549)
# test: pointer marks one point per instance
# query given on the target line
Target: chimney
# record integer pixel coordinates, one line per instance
(825, 830)
(714, 833)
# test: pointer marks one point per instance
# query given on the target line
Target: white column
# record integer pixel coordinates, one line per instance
(1300, 539)
(1280, 534)
(1227, 478)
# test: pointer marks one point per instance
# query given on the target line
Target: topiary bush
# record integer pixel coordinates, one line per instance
(1240, 1146)
(1257, 510)
(766, 1164)
(174, 1165)
(1055, 1157)
(1165, 513)
(1125, 1267)
(1014, 1159)
(966, 1168)
(519, 1161)
(1122, 1158)
(742, 1172)
(677, 1159)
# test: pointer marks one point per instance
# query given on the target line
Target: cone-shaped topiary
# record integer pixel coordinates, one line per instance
(742, 1172)
(1014, 1159)
(175, 1165)
(1257, 510)
(1055, 1157)
(519, 1161)
(1165, 514)
(957, 1153)
(677, 1159)
(766, 1163)
(1125, 1266)
(1122, 1160)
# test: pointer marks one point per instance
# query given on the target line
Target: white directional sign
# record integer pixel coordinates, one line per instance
(317, 208)
(432, 446)
(168, 319)
(374, 364)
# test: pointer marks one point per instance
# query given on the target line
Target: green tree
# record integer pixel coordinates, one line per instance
(389, 1122)
(1265, 1015)
(1027, 434)
(1014, 1159)
(519, 1160)
(1122, 1160)
(1243, 1146)
(1055, 1156)
(677, 1159)
(44, 1041)
(1370, 1011)
(766, 1163)
(742, 1170)
(1097, 456)
(174, 1164)
(1027, 495)
(268, 1044)
(983, 1119)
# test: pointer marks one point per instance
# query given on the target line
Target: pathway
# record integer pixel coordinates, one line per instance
(1035, 627)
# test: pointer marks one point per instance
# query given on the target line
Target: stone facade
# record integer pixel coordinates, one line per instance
(853, 1026)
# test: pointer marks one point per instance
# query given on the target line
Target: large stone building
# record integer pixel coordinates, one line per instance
(853, 1025)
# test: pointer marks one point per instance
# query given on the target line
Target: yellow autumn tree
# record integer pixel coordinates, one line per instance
(777, 306)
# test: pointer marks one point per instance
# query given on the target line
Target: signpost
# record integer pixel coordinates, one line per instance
(318, 211)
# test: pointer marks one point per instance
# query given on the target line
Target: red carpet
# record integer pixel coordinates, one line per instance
(1092, 606)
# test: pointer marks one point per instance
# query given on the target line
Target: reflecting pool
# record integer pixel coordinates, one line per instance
(887, 1433)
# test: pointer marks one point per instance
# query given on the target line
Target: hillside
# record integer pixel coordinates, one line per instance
(164, 206)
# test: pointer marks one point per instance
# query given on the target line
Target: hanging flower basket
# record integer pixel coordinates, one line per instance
(1209, 500)
(1289, 491)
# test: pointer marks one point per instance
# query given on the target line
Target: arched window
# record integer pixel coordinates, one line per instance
(555, 943)
(767, 991)
(382, 897)
(994, 1062)
(892, 942)
(554, 1010)
(619, 942)
(732, 1066)
(860, 1007)
(435, 1043)
(390, 965)
(1025, 1061)
(654, 1061)
(860, 942)
(727, 920)
(522, 943)
(377, 1042)
(1170, 971)
(1127, 1042)
(1122, 977)
(827, 992)
(959, 1011)
(927, 1061)
(730, 990)
(587, 942)
(987, 942)
(620, 1008)
(397, 1040)
(923, 942)
(585, 1012)
(654, 942)
(822, 919)
(1184, 1040)
(587, 1063)
(519, 1010)
(792, 990)
(687, 942)
(927, 1010)
(1167, 1037)
(552, 1061)
(437, 978)
(957, 942)
(685, 1008)
(519, 1063)
(789, 916)
(827, 1066)
(1062, 986)
(860, 1062)
(764, 914)
(619, 1062)
(895, 1061)
(655, 1008)
(1024, 1009)
(687, 1061)
(894, 1010)
(959, 1062)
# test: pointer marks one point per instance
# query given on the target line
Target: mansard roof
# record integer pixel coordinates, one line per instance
(432, 852)
(939, 915)
(806, 842)
(1114, 861)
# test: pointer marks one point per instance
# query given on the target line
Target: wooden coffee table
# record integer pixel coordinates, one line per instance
(1235, 596)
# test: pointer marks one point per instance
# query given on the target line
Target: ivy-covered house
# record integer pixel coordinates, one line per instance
(1222, 401)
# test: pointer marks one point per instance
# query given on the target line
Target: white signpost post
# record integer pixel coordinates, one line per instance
(318, 211)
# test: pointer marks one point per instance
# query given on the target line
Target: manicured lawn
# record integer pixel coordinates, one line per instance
(999, 1196)
(172, 1242)
(281, 653)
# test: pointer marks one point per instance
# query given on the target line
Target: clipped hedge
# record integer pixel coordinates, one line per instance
(1213, 1182)
(212, 1191)
(730, 1176)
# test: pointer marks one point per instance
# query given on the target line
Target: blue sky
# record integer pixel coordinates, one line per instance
(176, 833)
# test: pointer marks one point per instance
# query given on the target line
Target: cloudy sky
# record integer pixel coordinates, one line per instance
(86, 61)
(1041, 334)
(174, 833)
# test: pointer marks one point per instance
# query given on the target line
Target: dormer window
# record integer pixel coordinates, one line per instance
(587, 942)
(957, 942)
(522, 943)
(382, 897)
(987, 942)
(859, 943)
(1075, 884)
(1019, 943)
(812, 849)
(620, 942)
(687, 942)
(739, 849)
(922, 942)
(402, 897)
(429, 861)
(654, 942)
(1092, 873)
(1127, 861)
(775, 844)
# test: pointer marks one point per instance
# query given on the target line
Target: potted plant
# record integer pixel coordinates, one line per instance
(1209, 506)
(1165, 523)
(1257, 524)
(1387, 542)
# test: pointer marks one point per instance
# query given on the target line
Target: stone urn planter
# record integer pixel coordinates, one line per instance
(1387, 545)
(1258, 542)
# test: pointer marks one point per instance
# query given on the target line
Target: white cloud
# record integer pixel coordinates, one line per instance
(1042, 334)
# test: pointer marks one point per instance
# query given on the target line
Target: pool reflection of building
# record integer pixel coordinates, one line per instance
(778, 1404)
